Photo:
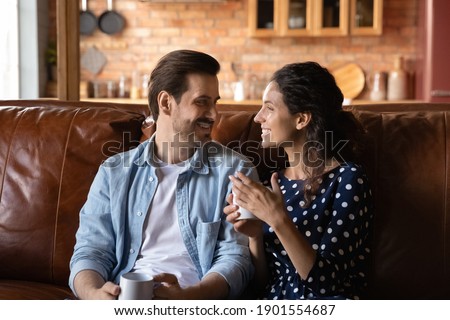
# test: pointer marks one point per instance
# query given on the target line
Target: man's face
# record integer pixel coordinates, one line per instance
(194, 116)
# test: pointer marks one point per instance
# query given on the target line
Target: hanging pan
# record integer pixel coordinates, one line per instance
(88, 21)
(111, 22)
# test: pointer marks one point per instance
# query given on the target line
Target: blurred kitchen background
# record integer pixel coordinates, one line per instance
(251, 39)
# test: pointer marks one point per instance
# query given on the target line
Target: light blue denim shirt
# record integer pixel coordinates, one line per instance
(112, 219)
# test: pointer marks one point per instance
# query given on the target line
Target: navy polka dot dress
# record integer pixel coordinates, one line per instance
(336, 224)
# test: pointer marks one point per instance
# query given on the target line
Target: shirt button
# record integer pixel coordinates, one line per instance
(131, 251)
(151, 179)
(139, 213)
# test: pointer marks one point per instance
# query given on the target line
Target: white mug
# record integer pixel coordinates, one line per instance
(245, 214)
(136, 286)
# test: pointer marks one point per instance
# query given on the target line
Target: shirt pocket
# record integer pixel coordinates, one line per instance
(207, 234)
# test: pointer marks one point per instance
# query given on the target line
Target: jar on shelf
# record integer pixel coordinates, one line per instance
(397, 81)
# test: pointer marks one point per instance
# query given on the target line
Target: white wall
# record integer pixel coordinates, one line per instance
(23, 39)
(9, 50)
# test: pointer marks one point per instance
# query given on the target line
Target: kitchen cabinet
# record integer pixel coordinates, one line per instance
(366, 17)
(281, 18)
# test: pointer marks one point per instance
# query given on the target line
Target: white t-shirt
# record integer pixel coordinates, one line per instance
(163, 249)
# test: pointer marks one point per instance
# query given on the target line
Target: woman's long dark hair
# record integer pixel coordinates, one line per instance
(331, 133)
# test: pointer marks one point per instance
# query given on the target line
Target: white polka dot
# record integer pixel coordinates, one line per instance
(277, 241)
(320, 264)
(353, 169)
(295, 290)
(316, 217)
(270, 229)
(346, 234)
(322, 191)
(339, 222)
(327, 212)
(339, 179)
(344, 204)
(289, 208)
(283, 191)
(334, 213)
(297, 192)
(277, 263)
(334, 239)
(308, 233)
(323, 200)
(356, 198)
(322, 291)
(348, 187)
(302, 203)
(322, 278)
(315, 246)
(282, 187)
(341, 252)
(283, 252)
(360, 181)
(314, 206)
(329, 230)
(323, 246)
(320, 229)
(305, 222)
(341, 169)
(356, 231)
(331, 175)
(351, 216)
(294, 186)
(294, 220)
(338, 195)
(305, 212)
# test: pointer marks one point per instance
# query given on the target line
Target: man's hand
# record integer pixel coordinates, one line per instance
(212, 286)
(167, 287)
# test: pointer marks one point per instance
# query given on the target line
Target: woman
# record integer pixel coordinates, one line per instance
(312, 237)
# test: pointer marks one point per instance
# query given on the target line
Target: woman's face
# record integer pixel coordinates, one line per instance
(277, 124)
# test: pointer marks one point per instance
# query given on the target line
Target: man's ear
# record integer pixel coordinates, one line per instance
(164, 102)
(303, 119)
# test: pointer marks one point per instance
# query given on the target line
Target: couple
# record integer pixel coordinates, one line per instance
(171, 214)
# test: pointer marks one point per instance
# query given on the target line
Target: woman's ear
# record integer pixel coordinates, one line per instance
(164, 102)
(303, 120)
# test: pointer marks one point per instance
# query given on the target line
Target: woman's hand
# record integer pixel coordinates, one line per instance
(265, 204)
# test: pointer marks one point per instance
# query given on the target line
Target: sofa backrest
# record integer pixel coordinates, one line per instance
(407, 160)
(49, 154)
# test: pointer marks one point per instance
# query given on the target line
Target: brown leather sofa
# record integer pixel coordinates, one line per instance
(50, 152)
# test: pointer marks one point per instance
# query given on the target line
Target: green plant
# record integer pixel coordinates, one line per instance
(51, 53)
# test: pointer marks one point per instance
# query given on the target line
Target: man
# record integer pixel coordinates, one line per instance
(158, 209)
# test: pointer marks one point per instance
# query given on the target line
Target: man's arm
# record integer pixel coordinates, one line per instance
(89, 284)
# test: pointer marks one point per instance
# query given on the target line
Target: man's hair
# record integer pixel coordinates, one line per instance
(170, 74)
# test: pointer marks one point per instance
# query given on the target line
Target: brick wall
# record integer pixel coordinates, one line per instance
(221, 29)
